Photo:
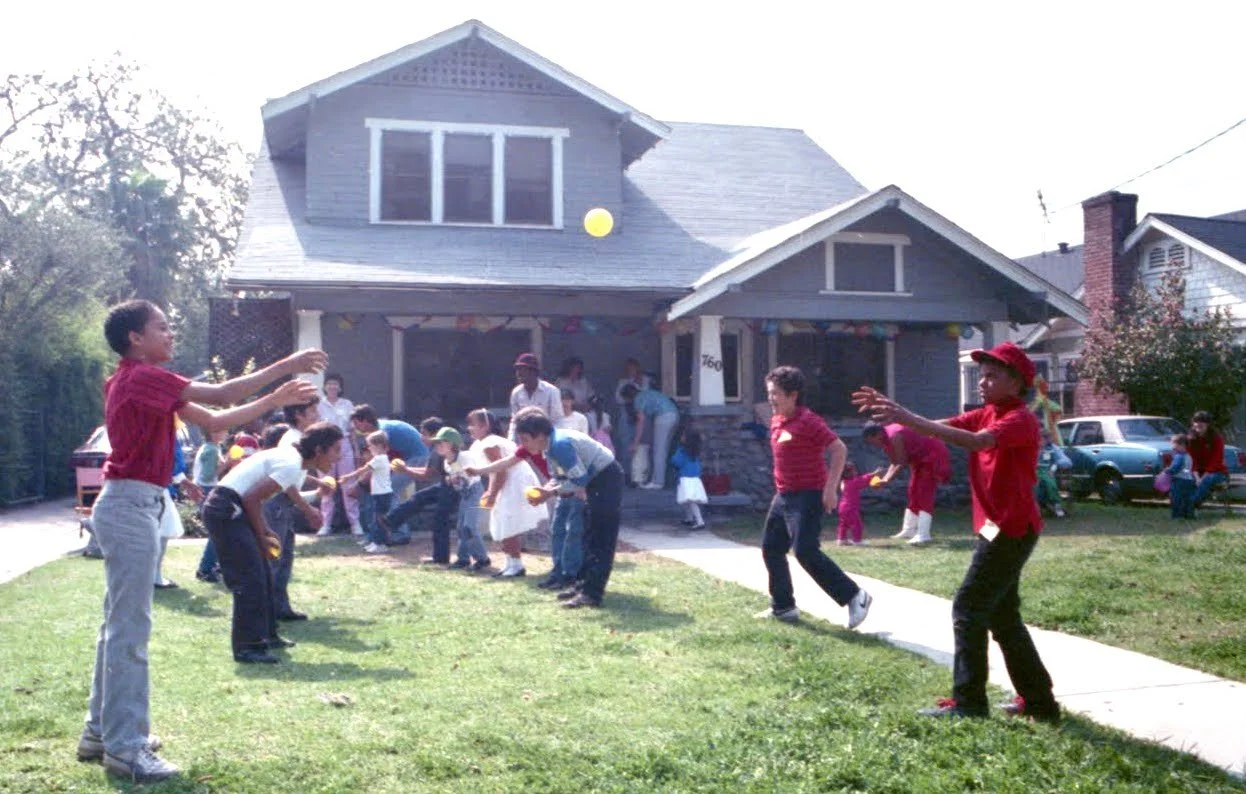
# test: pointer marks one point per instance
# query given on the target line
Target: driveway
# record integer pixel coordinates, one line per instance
(33, 535)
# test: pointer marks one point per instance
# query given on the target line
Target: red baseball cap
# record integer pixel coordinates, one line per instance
(528, 360)
(1012, 357)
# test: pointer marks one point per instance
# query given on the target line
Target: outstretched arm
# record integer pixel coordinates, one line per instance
(508, 462)
(238, 389)
(885, 410)
(295, 392)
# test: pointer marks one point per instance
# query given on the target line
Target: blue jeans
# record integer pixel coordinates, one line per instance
(378, 505)
(471, 544)
(1182, 496)
(567, 537)
(795, 519)
(605, 497)
(1205, 485)
(245, 568)
(401, 480)
(446, 502)
(208, 562)
(282, 514)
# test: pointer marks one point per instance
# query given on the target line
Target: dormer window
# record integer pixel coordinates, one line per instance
(465, 174)
(866, 263)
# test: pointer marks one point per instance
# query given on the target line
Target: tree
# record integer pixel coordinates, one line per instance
(1167, 359)
(102, 146)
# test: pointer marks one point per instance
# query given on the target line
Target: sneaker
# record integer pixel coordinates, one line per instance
(376, 548)
(652, 486)
(211, 577)
(362, 540)
(688, 522)
(91, 746)
(1017, 707)
(948, 708)
(789, 615)
(165, 584)
(482, 565)
(698, 526)
(278, 642)
(570, 593)
(858, 608)
(843, 542)
(461, 562)
(145, 767)
(509, 573)
(291, 616)
(552, 583)
(356, 530)
(581, 600)
(255, 656)
(324, 532)
(1059, 512)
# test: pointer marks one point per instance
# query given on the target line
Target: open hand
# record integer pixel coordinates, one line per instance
(880, 407)
(830, 500)
(309, 360)
(294, 392)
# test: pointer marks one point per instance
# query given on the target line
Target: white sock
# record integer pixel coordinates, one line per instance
(695, 513)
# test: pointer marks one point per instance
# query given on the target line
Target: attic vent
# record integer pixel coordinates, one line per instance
(473, 66)
(1176, 255)
(1156, 257)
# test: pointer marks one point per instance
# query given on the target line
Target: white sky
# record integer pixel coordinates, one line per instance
(968, 106)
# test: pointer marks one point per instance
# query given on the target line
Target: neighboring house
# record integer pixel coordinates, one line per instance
(1209, 252)
(422, 212)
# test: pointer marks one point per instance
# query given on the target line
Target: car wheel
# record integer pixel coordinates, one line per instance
(1111, 489)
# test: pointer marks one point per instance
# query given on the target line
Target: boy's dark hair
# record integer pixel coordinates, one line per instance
(319, 436)
(1181, 439)
(566, 394)
(340, 382)
(431, 425)
(489, 419)
(364, 413)
(871, 429)
(291, 413)
(691, 442)
(788, 379)
(629, 392)
(533, 422)
(272, 435)
(124, 318)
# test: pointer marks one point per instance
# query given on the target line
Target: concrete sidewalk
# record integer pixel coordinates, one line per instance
(33, 535)
(1181, 708)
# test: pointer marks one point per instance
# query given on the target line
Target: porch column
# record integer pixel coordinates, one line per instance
(709, 361)
(994, 333)
(397, 388)
(309, 336)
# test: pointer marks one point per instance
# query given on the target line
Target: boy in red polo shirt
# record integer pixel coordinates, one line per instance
(140, 401)
(805, 489)
(1003, 440)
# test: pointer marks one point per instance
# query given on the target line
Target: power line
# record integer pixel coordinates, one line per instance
(1167, 162)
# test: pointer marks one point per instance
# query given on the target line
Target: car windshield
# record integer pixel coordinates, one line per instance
(1149, 429)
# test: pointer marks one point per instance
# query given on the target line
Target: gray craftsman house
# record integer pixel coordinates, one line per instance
(421, 214)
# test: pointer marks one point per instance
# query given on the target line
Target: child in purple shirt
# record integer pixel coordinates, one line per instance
(851, 487)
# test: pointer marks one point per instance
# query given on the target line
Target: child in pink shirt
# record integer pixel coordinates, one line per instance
(851, 487)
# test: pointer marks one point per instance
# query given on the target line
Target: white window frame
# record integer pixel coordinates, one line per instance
(437, 131)
(898, 243)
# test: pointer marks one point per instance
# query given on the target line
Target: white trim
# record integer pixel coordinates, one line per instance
(899, 265)
(437, 130)
(363, 71)
(870, 238)
(897, 243)
(889, 354)
(309, 336)
(398, 370)
(773, 246)
(1150, 223)
(850, 294)
(709, 388)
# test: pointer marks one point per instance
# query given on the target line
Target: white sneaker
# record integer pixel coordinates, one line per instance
(652, 486)
(1059, 512)
(858, 608)
(376, 548)
(356, 530)
(786, 615)
(324, 532)
(146, 767)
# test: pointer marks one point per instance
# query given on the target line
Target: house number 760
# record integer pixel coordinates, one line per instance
(709, 362)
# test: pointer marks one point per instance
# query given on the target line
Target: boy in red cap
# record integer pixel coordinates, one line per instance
(1003, 440)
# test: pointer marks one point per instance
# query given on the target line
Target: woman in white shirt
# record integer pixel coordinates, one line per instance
(234, 516)
(572, 379)
(336, 409)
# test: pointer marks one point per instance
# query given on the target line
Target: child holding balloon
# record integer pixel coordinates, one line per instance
(377, 471)
(850, 488)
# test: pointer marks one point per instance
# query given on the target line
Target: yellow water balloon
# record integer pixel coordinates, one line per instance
(395, 464)
(331, 482)
(598, 222)
(236, 452)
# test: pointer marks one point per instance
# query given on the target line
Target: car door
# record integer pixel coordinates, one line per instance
(1083, 467)
(1086, 451)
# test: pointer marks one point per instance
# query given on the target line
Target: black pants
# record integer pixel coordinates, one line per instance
(601, 529)
(445, 501)
(795, 519)
(988, 599)
(245, 569)
(281, 515)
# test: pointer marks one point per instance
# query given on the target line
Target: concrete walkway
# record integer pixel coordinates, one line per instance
(33, 535)
(1181, 708)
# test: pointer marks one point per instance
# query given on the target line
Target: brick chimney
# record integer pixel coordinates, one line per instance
(1107, 220)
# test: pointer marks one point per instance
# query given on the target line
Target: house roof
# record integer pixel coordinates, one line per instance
(1063, 268)
(643, 128)
(1221, 239)
(770, 247)
(686, 204)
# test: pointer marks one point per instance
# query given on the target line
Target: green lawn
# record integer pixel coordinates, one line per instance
(447, 682)
(1128, 576)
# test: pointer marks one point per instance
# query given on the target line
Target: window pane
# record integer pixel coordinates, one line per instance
(731, 366)
(834, 367)
(683, 365)
(406, 176)
(862, 267)
(530, 181)
(468, 178)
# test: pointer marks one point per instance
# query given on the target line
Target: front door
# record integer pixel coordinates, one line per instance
(449, 373)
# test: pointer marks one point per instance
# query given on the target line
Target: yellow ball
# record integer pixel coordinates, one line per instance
(598, 222)
(236, 452)
(533, 493)
(876, 481)
(395, 464)
(274, 551)
(331, 482)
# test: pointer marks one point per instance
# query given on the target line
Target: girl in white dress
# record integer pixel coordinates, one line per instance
(336, 409)
(511, 515)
